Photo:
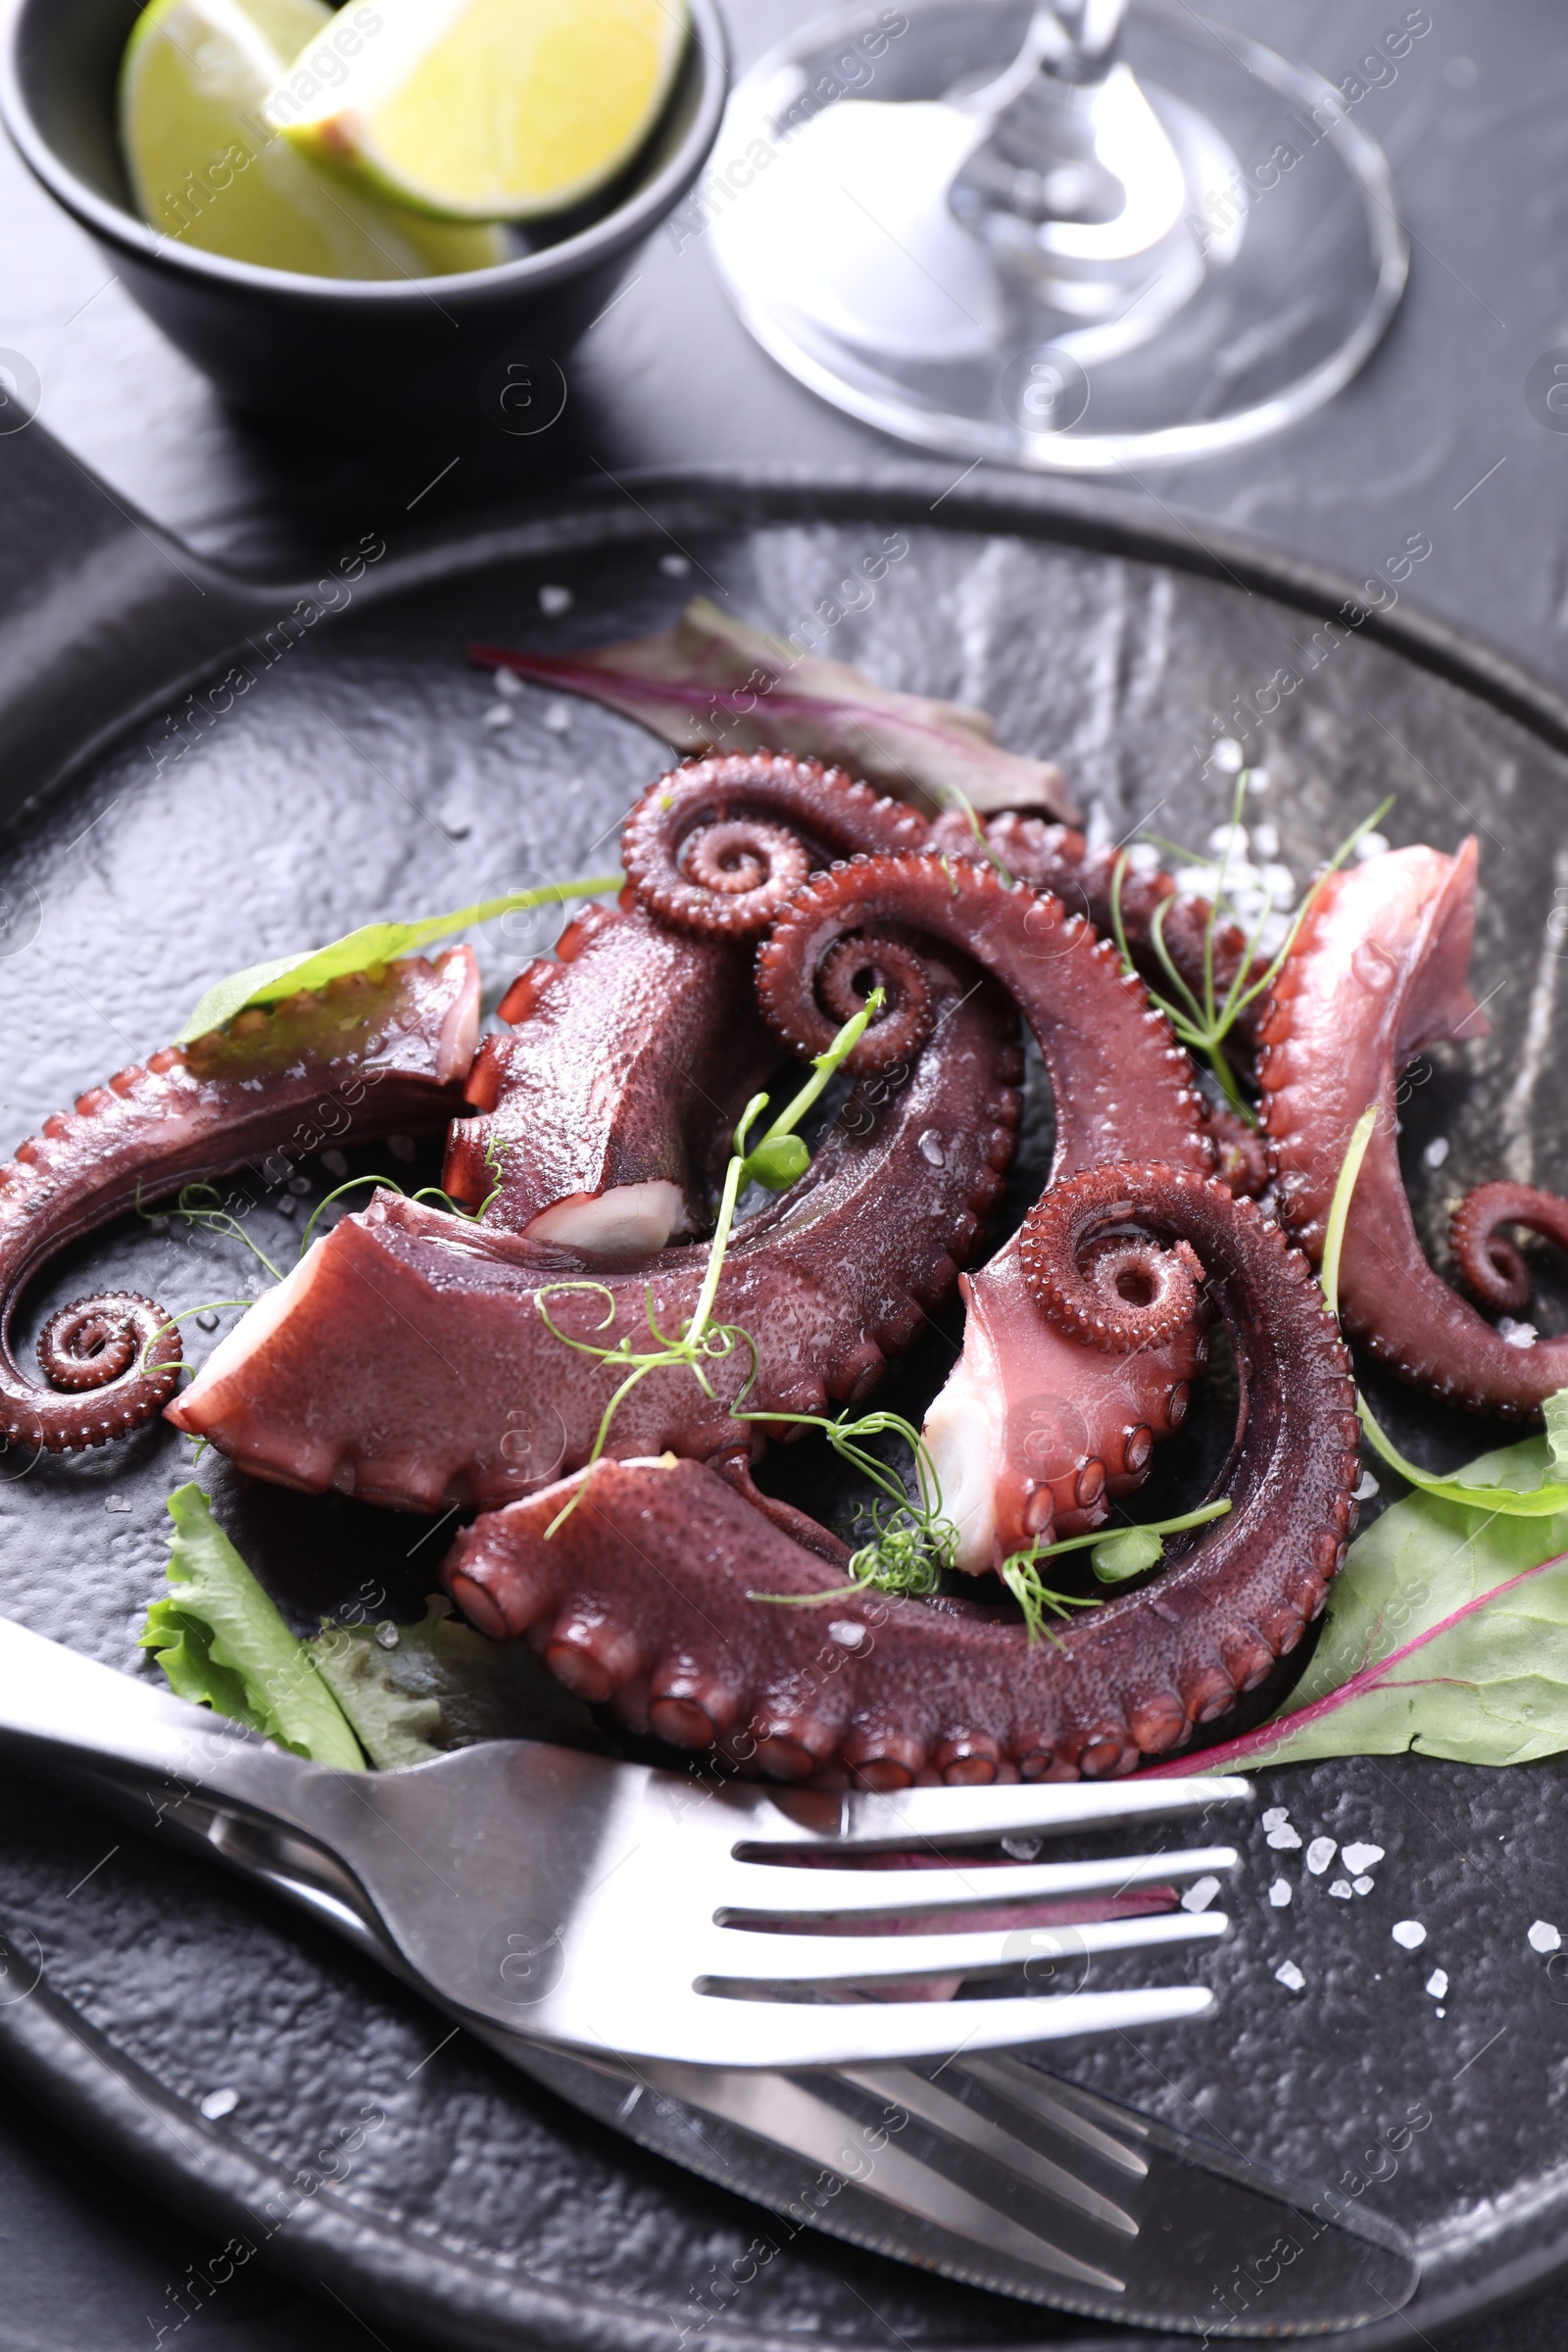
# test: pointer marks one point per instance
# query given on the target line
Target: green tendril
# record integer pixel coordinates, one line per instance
(701, 1341)
(210, 1213)
(210, 1306)
(1204, 1023)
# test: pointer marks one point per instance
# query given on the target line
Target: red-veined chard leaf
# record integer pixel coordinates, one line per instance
(1447, 1634)
(716, 682)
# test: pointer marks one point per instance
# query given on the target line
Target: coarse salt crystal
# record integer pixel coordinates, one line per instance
(674, 568)
(508, 682)
(1279, 1894)
(1257, 779)
(554, 600)
(1266, 838)
(1438, 1984)
(219, 2103)
(1200, 1894)
(1226, 755)
(1409, 1934)
(1372, 844)
(1340, 1889)
(1319, 1855)
(1274, 1815)
(1436, 1151)
(558, 718)
(1290, 1976)
(1366, 1485)
(1362, 1885)
(499, 714)
(1357, 1858)
(1517, 1335)
(1544, 1938)
(334, 1163)
(1285, 1840)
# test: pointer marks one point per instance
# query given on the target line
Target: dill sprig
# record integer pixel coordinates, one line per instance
(1203, 1022)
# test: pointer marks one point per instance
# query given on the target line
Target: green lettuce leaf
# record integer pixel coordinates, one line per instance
(1447, 1634)
(443, 1686)
(222, 1644)
(713, 681)
(360, 950)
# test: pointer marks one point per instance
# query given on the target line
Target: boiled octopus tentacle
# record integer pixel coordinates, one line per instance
(1379, 971)
(636, 1048)
(1058, 858)
(1491, 1266)
(885, 1690)
(1118, 1080)
(360, 1373)
(633, 1049)
(362, 1058)
(408, 1358)
(719, 845)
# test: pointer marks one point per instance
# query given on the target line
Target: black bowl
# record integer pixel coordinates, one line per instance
(347, 358)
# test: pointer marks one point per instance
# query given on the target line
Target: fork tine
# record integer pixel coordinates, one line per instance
(743, 1956)
(767, 1892)
(799, 2034)
(962, 1816)
(955, 2120)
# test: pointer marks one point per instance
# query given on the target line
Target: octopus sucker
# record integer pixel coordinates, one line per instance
(884, 1690)
(366, 1056)
(1380, 971)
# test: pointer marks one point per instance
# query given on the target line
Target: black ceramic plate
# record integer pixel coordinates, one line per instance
(358, 2140)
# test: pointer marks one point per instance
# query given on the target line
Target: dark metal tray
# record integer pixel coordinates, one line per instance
(158, 832)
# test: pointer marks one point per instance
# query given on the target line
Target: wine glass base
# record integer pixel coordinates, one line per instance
(1278, 263)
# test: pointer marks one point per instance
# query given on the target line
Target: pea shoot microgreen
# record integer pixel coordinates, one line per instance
(1203, 1023)
(1125, 1552)
(775, 1161)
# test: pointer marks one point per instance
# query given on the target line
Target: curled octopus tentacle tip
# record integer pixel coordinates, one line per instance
(1491, 1266)
(718, 844)
(115, 1355)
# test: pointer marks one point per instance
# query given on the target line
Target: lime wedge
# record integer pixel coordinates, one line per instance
(207, 166)
(483, 110)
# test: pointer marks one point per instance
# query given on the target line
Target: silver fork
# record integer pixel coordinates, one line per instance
(606, 1907)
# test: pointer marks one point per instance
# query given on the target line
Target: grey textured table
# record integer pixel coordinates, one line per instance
(1437, 437)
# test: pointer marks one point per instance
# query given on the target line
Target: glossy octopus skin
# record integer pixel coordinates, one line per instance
(1379, 972)
(408, 1360)
(636, 1048)
(363, 1057)
(886, 1692)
